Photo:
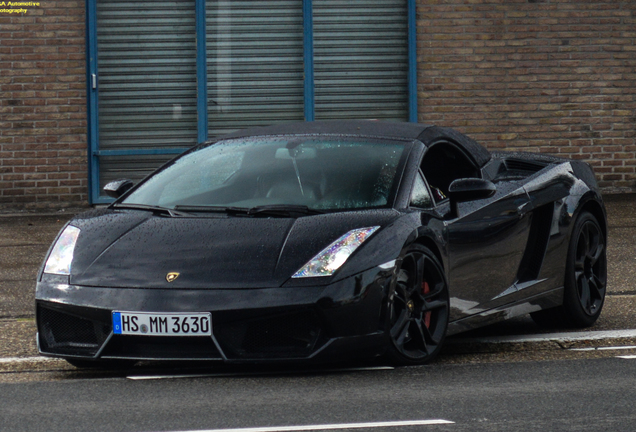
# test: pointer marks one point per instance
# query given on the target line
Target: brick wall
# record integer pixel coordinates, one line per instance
(43, 107)
(554, 76)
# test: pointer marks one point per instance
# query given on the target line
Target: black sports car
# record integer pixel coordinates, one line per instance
(321, 241)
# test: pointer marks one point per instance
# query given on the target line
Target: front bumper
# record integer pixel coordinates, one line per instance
(318, 323)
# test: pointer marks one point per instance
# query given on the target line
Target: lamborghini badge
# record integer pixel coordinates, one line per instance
(170, 277)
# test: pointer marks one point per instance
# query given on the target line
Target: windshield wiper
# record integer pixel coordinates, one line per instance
(281, 210)
(212, 209)
(152, 208)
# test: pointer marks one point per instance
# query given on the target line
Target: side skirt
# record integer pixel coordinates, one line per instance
(536, 303)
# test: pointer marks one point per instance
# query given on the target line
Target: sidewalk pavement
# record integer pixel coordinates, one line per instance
(26, 237)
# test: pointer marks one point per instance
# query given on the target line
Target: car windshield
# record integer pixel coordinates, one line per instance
(318, 173)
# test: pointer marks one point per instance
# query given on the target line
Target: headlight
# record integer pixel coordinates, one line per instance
(59, 261)
(334, 256)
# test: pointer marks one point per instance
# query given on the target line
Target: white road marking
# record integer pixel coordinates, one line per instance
(628, 357)
(331, 426)
(221, 375)
(604, 348)
(555, 337)
(26, 359)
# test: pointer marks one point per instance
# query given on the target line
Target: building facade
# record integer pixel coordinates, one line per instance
(104, 89)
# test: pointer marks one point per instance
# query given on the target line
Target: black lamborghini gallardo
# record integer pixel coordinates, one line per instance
(321, 241)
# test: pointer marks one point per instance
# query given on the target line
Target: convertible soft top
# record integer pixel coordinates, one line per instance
(373, 128)
(428, 134)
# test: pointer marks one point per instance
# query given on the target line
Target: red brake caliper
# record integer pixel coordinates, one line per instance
(427, 315)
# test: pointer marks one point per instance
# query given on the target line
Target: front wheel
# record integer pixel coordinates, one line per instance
(418, 309)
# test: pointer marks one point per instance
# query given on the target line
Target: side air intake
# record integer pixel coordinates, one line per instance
(537, 243)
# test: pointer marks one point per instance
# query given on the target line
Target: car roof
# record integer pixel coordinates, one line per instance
(380, 129)
(427, 134)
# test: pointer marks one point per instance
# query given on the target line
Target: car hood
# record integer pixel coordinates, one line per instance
(123, 248)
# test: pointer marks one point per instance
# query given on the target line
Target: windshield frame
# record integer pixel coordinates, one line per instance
(392, 196)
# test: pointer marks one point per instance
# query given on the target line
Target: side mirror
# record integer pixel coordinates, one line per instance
(469, 189)
(117, 188)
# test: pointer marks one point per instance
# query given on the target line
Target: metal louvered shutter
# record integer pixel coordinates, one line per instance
(254, 63)
(361, 59)
(147, 74)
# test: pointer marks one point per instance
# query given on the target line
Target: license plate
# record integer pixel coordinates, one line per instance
(162, 324)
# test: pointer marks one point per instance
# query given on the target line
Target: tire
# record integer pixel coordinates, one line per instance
(101, 364)
(585, 278)
(418, 309)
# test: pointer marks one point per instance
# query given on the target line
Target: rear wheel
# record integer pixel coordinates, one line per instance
(585, 278)
(418, 309)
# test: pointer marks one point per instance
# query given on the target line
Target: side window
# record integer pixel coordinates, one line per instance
(420, 196)
(444, 162)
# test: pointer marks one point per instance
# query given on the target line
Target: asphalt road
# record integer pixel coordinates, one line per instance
(572, 395)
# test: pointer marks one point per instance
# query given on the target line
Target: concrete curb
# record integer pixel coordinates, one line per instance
(539, 342)
(549, 337)
(10, 360)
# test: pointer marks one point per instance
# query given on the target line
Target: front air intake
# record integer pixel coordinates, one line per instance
(68, 333)
(292, 335)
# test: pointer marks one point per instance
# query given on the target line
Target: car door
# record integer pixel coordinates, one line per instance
(486, 240)
(486, 244)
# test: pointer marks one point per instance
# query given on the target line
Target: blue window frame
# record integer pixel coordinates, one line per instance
(98, 155)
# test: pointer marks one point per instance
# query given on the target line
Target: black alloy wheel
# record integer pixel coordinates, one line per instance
(418, 309)
(585, 278)
(586, 272)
